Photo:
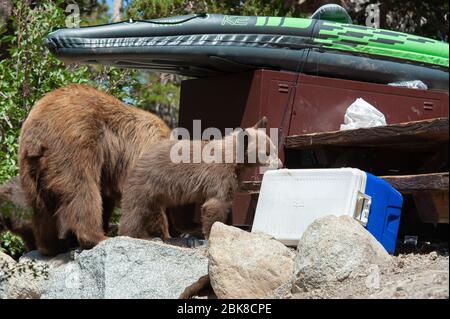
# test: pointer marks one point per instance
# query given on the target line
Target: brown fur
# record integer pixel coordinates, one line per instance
(157, 183)
(76, 148)
(15, 212)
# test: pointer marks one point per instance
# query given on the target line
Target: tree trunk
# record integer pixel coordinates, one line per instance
(5, 13)
(117, 7)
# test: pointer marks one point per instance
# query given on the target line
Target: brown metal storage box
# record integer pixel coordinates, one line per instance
(317, 104)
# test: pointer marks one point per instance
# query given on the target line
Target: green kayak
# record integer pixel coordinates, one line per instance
(202, 45)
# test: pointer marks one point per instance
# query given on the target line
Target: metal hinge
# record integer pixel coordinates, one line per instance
(362, 209)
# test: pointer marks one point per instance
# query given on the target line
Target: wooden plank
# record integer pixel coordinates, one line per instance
(410, 134)
(422, 182)
(404, 183)
(249, 187)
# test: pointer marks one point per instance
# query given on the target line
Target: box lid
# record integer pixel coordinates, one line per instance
(291, 199)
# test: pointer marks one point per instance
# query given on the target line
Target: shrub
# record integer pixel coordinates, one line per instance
(11, 244)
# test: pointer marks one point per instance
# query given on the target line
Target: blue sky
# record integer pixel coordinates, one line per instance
(110, 4)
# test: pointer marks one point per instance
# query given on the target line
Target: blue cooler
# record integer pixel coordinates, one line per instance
(291, 199)
(385, 211)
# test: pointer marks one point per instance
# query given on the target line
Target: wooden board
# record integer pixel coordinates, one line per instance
(420, 134)
(404, 184)
(432, 206)
(422, 182)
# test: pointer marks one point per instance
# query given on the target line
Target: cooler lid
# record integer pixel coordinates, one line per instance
(291, 199)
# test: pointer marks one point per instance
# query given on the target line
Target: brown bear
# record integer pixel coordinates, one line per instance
(158, 182)
(75, 151)
(15, 213)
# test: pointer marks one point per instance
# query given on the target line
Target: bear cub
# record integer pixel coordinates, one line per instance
(158, 182)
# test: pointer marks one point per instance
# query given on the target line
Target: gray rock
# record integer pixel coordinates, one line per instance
(282, 292)
(247, 265)
(6, 263)
(49, 262)
(124, 267)
(20, 280)
(6, 259)
(333, 249)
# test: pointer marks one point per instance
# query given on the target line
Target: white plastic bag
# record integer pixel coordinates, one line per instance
(416, 84)
(362, 114)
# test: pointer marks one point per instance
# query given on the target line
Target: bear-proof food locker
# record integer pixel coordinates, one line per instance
(318, 104)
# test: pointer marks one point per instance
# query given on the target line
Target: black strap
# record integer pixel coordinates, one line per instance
(195, 16)
(293, 90)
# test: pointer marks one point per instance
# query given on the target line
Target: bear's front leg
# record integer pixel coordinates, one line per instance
(157, 224)
(214, 210)
(145, 222)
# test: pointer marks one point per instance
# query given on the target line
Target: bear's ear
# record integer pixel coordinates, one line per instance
(262, 123)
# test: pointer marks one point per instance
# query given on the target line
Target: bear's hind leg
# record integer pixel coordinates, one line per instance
(44, 204)
(83, 215)
(213, 210)
(46, 233)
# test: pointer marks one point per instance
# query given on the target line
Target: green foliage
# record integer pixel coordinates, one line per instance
(424, 18)
(10, 210)
(11, 244)
(160, 93)
(115, 216)
(30, 71)
(147, 9)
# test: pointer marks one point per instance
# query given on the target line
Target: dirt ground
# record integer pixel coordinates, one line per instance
(422, 274)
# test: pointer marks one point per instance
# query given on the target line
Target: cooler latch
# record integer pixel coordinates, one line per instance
(362, 209)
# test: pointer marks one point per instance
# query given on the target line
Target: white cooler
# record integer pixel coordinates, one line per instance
(291, 199)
